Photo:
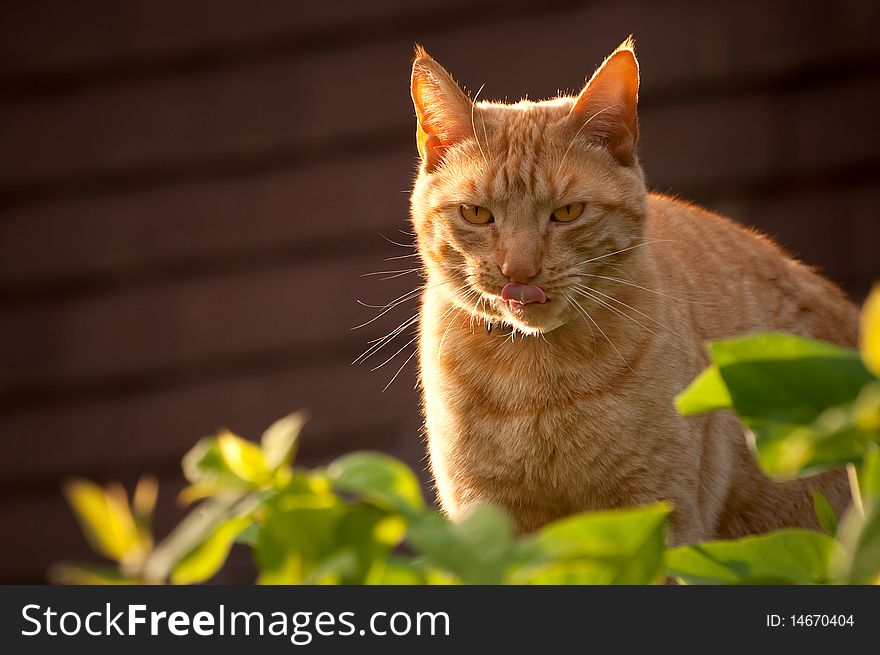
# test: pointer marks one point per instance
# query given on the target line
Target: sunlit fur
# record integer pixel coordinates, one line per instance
(568, 406)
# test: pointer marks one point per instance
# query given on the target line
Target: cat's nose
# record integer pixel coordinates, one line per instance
(519, 271)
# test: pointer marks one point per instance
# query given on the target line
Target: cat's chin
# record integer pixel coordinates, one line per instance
(533, 319)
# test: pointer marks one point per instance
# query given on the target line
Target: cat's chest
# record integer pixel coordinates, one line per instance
(534, 390)
(533, 426)
(538, 456)
(525, 423)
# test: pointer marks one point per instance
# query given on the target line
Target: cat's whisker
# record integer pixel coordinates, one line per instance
(411, 355)
(448, 326)
(631, 319)
(622, 250)
(586, 314)
(388, 304)
(474, 127)
(402, 271)
(642, 237)
(643, 288)
(474, 312)
(409, 295)
(391, 275)
(402, 245)
(403, 325)
(402, 348)
(397, 275)
(620, 271)
(640, 313)
(572, 303)
(369, 306)
(384, 341)
(379, 343)
(412, 254)
(469, 292)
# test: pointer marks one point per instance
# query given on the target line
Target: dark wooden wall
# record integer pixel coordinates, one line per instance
(190, 190)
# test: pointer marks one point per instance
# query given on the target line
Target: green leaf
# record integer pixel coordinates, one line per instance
(707, 393)
(308, 535)
(824, 513)
(276, 566)
(340, 567)
(840, 434)
(248, 536)
(477, 549)
(192, 531)
(306, 524)
(612, 547)
(297, 529)
(782, 377)
(800, 398)
(292, 542)
(207, 558)
(280, 440)
(364, 534)
(869, 476)
(380, 479)
(768, 373)
(205, 467)
(106, 519)
(790, 556)
(243, 458)
(396, 570)
(864, 563)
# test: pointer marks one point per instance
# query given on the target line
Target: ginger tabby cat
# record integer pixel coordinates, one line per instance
(565, 306)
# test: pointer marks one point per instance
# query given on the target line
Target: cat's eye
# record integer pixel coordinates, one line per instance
(567, 213)
(475, 214)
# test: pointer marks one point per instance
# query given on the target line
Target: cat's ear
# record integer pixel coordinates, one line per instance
(443, 111)
(608, 104)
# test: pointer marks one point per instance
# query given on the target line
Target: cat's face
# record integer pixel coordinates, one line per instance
(513, 203)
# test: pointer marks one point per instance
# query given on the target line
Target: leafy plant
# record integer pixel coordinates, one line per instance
(809, 405)
(363, 519)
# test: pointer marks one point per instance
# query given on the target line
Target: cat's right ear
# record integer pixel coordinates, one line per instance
(608, 103)
(443, 111)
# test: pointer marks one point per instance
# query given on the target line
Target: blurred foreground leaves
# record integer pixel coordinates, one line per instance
(363, 519)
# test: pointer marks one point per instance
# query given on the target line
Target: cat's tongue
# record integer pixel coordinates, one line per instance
(522, 294)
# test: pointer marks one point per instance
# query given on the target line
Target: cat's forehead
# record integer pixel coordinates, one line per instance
(517, 141)
(526, 112)
(516, 155)
(522, 126)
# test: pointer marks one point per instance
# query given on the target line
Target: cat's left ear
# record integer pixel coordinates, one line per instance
(606, 108)
(443, 111)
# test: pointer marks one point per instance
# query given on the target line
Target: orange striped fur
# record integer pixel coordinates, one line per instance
(568, 405)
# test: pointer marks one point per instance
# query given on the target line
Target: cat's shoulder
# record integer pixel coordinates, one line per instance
(670, 208)
(670, 215)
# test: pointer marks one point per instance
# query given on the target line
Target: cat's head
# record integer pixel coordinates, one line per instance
(512, 201)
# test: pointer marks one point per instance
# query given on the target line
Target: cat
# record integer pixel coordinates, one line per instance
(565, 306)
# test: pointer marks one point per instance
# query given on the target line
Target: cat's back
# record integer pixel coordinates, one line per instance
(731, 280)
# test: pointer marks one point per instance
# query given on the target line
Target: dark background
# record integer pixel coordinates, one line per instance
(189, 192)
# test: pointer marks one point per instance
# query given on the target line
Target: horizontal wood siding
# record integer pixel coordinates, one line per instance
(191, 191)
